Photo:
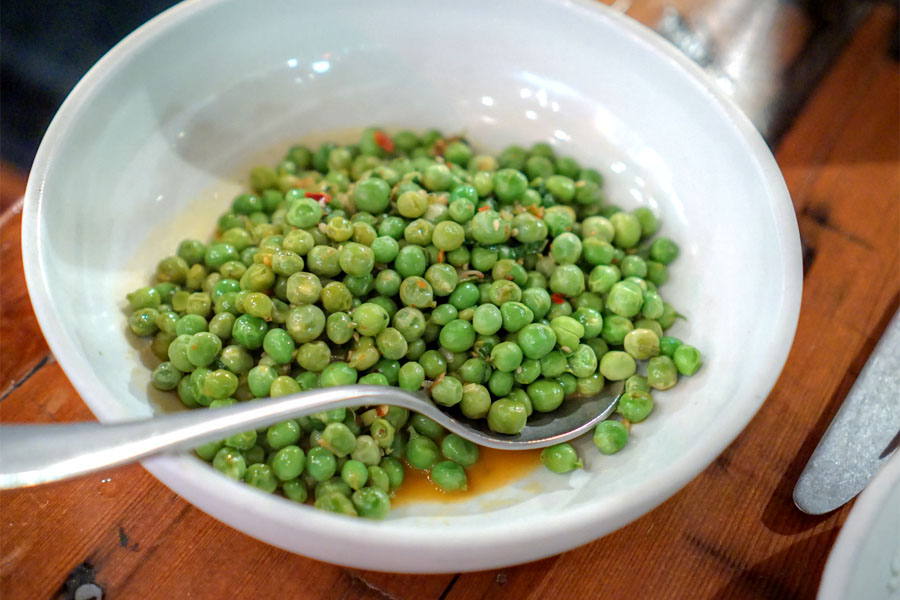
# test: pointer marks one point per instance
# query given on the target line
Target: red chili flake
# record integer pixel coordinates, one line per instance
(484, 208)
(318, 196)
(536, 211)
(557, 298)
(384, 140)
(441, 256)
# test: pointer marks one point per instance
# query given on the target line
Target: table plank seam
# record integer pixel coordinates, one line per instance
(449, 587)
(46, 360)
(819, 214)
(354, 577)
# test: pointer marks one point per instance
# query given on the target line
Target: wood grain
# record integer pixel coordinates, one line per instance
(23, 346)
(12, 186)
(731, 533)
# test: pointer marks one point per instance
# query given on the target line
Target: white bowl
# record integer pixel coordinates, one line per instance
(865, 559)
(169, 120)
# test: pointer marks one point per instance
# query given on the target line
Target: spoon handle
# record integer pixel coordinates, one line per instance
(34, 454)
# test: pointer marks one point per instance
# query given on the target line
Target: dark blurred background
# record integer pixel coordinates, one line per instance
(767, 54)
(45, 48)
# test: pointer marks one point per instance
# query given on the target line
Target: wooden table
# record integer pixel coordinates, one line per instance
(731, 533)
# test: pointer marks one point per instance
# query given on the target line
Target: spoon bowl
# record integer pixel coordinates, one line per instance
(35, 454)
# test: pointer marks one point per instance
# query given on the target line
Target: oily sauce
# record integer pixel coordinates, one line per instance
(494, 469)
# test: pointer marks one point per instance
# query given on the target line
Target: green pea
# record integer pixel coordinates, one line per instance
(487, 319)
(314, 356)
(516, 315)
(371, 502)
(427, 427)
(635, 406)
(288, 463)
(422, 453)
(249, 331)
(166, 376)
(338, 438)
(411, 376)
(447, 392)
(668, 345)
(337, 373)
(433, 364)
(203, 348)
(192, 251)
(295, 490)
(483, 259)
(582, 362)
(476, 401)
(507, 416)
(506, 356)
(663, 250)
(209, 450)
(378, 478)
(307, 381)
(662, 373)
(457, 336)
(260, 379)
(145, 297)
(637, 383)
(437, 178)
(617, 366)
(372, 195)
(366, 450)
(220, 384)
(546, 395)
(283, 386)
(610, 436)
(241, 441)
(687, 359)
(177, 353)
(283, 434)
(334, 485)
(603, 277)
(561, 458)
(321, 463)
(303, 288)
(142, 322)
(627, 229)
(615, 328)
(336, 503)
(448, 236)
(501, 383)
(641, 344)
(568, 280)
(459, 450)
(589, 386)
(355, 474)
(394, 470)
(230, 462)
(304, 323)
(279, 345)
(443, 279)
(449, 476)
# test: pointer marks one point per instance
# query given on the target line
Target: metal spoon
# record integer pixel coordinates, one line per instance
(34, 454)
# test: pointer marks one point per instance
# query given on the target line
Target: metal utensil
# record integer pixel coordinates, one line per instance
(34, 454)
(863, 435)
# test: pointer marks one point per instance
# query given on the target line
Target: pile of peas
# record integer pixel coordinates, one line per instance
(500, 285)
